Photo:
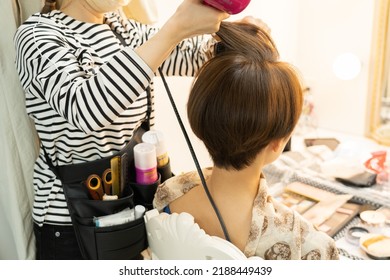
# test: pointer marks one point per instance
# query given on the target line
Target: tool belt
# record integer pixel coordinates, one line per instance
(122, 241)
(119, 241)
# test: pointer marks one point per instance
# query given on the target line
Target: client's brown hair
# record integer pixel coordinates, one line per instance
(243, 97)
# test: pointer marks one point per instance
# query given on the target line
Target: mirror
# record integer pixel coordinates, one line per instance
(379, 125)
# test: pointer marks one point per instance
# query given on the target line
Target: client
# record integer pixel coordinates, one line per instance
(244, 105)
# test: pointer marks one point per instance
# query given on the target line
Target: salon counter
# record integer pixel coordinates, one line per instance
(318, 166)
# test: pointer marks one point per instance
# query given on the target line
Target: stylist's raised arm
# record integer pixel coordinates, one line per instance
(191, 18)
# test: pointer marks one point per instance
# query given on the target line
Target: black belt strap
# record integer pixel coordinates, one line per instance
(78, 172)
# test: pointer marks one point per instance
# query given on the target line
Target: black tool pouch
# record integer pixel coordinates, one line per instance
(123, 241)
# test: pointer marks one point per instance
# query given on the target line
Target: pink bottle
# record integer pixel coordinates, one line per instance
(145, 161)
(230, 6)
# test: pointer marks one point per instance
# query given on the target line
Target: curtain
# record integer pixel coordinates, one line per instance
(18, 142)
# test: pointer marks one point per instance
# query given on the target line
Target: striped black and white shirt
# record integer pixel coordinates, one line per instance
(85, 92)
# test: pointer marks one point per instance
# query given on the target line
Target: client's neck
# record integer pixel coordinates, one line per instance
(236, 182)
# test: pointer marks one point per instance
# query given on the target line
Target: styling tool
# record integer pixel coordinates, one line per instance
(123, 173)
(107, 181)
(230, 6)
(115, 175)
(95, 188)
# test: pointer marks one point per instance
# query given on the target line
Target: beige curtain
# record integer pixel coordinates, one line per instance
(18, 141)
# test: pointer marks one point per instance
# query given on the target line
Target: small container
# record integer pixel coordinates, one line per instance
(145, 163)
(157, 138)
(354, 234)
(373, 218)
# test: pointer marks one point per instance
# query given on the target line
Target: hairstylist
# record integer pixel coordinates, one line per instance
(84, 71)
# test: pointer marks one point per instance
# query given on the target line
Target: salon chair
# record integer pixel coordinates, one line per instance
(178, 237)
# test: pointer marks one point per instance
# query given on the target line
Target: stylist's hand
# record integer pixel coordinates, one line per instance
(193, 18)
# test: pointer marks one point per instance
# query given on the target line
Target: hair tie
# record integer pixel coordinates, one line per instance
(50, 3)
(219, 47)
(49, 6)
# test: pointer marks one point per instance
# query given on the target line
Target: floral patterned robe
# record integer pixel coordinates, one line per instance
(277, 232)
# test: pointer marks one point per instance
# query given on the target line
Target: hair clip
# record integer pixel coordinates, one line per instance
(219, 47)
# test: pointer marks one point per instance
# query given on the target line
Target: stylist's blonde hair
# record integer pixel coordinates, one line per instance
(51, 5)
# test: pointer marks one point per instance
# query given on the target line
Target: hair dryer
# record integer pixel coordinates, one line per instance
(230, 6)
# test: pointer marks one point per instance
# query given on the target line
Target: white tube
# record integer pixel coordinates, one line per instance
(139, 211)
(124, 216)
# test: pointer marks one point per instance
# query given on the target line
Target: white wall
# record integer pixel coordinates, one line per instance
(326, 30)
(309, 34)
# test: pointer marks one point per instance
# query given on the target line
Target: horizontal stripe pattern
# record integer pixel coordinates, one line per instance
(85, 92)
